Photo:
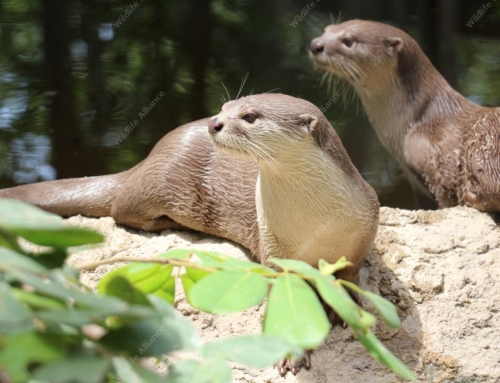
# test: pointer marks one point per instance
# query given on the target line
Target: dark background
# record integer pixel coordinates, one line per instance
(71, 81)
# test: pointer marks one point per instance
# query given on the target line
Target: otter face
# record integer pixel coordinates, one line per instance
(355, 50)
(262, 127)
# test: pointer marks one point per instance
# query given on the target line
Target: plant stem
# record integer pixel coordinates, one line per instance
(164, 261)
(352, 286)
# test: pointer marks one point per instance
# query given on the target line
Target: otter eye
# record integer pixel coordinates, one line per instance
(348, 41)
(250, 117)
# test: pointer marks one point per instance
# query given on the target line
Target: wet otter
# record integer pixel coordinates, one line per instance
(448, 146)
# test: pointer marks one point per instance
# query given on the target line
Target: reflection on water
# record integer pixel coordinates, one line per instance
(78, 79)
(29, 159)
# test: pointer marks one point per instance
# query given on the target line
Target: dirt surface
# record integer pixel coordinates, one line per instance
(441, 269)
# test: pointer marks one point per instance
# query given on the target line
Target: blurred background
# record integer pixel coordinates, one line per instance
(75, 74)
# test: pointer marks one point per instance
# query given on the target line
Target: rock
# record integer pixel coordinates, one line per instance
(440, 268)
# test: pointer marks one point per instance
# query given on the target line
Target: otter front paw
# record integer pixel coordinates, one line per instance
(295, 365)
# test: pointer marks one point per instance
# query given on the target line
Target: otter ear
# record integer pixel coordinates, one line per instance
(309, 122)
(395, 43)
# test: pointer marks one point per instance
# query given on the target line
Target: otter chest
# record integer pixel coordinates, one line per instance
(300, 219)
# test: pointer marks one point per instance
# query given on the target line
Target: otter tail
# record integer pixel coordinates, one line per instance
(89, 196)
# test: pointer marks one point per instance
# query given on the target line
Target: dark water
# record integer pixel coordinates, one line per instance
(88, 87)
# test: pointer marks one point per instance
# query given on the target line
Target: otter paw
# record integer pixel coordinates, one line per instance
(334, 318)
(294, 366)
(332, 315)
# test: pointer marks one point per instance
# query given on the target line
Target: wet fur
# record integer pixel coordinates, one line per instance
(447, 145)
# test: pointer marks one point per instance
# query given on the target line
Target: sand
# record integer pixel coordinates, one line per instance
(441, 269)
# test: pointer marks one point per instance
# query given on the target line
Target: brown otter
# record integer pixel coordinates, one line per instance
(186, 183)
(311, 201)
(448, 146)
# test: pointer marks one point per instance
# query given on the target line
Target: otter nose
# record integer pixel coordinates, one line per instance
(317, 46)
(215, 125)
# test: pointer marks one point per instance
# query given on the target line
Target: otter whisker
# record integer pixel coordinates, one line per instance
(272, 90)
(242, 85)
(325, 76)
(228, 96)
(263, 154)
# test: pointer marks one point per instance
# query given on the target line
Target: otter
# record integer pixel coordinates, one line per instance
(186, 182)
(311, 202)
(448, 146)
(270, 174)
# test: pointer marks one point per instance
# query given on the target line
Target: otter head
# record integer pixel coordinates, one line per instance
(358, 51)
(265, 127)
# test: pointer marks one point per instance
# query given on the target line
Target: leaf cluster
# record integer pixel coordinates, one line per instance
(54, 329)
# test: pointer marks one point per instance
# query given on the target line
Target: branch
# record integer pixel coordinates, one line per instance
(164, 261)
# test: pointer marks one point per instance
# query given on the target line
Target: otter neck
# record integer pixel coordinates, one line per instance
(395, 104)
(317, 196)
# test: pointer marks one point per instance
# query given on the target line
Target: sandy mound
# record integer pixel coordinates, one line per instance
(440, 268)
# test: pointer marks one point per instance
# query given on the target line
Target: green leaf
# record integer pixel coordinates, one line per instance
(11, 260)
(379, 352)
(173, 321)
(147, 278)
(51, 259)
(120, 287)
(21, 350)
(228, 291)
(163, 332)
(42, 228)
(219, 261)
(328, 269)
(56, 286)
(148, 337)
(386, 309)
(336, 297)
(187, 284)
(295, 313)
(182, 254)
(68, 317)
(206, 371)
(196, 274)
(9, 240)
(62, 237)
(257, 351)
(296, 266)
(189, 279)
(128, 371)
(15, 317)
(84, 369)
(36, 300)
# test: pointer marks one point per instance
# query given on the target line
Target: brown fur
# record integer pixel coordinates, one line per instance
(311, 201)
(447, 145)
(186, 182)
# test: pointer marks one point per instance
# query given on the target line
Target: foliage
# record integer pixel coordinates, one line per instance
(52, 328)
